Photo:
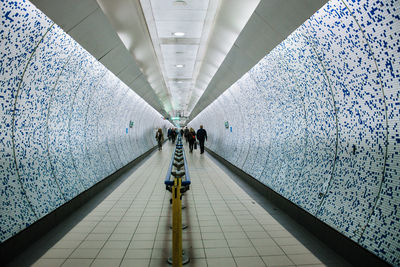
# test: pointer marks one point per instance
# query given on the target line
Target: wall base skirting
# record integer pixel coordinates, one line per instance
(344, 246)
(15, 245)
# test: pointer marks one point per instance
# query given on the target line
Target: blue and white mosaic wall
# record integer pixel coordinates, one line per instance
(318, 121)
(64, 118)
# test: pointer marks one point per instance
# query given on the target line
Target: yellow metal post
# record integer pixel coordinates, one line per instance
(176, 224)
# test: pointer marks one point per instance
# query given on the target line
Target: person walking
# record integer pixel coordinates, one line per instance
(201, 136)
(186, 134)
(192, 138)
(173, 135)
(159, 138)
(169, 134)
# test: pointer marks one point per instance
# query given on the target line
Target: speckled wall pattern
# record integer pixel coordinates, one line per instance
(63, 118)
(328, 125)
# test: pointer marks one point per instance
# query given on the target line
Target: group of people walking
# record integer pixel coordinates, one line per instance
(172, 133)
(189, 134)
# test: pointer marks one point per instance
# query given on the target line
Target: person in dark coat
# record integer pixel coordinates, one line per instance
(186, 134)
(169, 134)
(159, 138)
(173, 135)
(201, 136)
(192, 138)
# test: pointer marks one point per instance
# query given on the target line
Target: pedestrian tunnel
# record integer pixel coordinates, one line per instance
(299, 99)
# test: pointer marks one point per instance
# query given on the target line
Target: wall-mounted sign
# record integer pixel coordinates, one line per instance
(175, 118)
(131, 123)
(126, 130)
(226, 125)
(230, 129)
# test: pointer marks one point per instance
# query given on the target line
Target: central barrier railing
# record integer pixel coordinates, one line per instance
(180, 183)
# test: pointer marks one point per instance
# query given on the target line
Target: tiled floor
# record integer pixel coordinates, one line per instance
(129, 225)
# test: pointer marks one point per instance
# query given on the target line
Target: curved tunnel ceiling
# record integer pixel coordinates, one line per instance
(239, 34)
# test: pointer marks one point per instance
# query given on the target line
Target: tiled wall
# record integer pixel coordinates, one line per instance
(318, 121)
(64, 118)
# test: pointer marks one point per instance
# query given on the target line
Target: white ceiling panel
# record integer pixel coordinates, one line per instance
(192, 29)
(173, 70)
(117, 59)
(179, 15)
(264, 38)
(88, 34)
(170, 4)
(181, 52)
(67, 14)
(130, 73)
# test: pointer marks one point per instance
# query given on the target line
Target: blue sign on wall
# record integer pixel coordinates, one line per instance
(126, 130)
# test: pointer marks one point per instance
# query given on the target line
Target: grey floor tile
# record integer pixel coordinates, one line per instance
(280, 260)
(161, 253)
(92, 244)
(111, 253)
(218, 262)
(212, 236)
(85, 253)
(211, 229)
(249, 262)
(135, 262)
(67, 244)
(121, 244)
(232, 228)
(244, 252)
(295, 249)
(302, 259)
(285, 241)
(218, 252)
(270, 251)
(97, 236)
(144, 237)
(215, 243)
(121, 236)
(48, 263)
(106, 262)
(58, 253)
(196, 253)
(257, 235)
(196, 262)
(239, 243)
(279, 233)
(138, 253)
(77, 262)
(74, 236)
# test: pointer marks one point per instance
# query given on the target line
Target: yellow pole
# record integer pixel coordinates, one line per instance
(176, 224)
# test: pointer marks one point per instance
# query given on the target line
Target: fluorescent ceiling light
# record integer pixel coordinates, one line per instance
(179, 34)
(179, 65)
(180, 3)
(179, 82)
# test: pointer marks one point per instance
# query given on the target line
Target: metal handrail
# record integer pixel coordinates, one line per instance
(186, 182)
(177, 187)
